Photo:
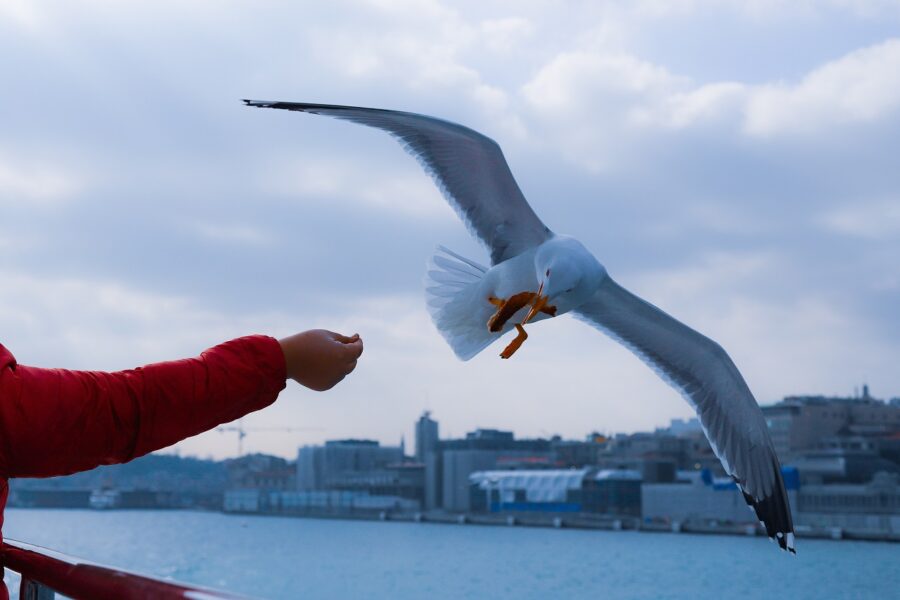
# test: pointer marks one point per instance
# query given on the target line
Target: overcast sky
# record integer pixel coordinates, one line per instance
(735, 163)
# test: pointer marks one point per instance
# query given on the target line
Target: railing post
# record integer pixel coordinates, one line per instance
(32, 590)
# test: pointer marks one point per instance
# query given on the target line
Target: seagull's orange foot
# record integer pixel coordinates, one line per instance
(516, 343)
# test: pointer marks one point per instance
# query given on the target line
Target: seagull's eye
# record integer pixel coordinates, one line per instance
(548, 273)
(569, 290)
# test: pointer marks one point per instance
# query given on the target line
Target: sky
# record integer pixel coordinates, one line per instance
(734, 163)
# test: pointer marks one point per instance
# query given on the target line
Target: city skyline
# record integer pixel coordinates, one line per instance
(731, 162)
(408, 438)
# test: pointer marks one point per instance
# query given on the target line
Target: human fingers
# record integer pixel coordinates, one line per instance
(350, 367)
(344, 339)
(354, 349)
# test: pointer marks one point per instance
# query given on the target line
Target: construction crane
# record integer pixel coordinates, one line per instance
(243, 431)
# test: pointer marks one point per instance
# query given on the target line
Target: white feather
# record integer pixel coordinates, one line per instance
(452, 295)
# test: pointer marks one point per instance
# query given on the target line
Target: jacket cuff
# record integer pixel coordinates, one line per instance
(271, 361)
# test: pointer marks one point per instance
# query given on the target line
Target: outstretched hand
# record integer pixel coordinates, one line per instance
(320, 359)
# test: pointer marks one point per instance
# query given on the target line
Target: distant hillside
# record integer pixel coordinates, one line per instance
(153, 472)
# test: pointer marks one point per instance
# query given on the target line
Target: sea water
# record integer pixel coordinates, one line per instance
(277, 557)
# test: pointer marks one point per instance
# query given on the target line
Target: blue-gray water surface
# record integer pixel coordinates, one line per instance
(274, 557)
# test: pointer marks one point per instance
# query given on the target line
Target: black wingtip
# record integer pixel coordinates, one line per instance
(314, 107)
(257, 103)
(774, 512)
(306, 107)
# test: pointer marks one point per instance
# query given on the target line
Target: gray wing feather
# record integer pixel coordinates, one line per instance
(468, 168)
(707, 378)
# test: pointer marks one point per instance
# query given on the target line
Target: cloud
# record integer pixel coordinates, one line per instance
(768, 10)
(83, 323)
(734, 162)
(872, 220)
(712, 102)
(870, 8)
(506, 34)
(742, 302)
(861, 87)
(237, 234)
(22, 13)
(406, 192)
(418, 47)
(583, 81)
(586, 100)
(32, 182)
(708, 276)
(620, 95)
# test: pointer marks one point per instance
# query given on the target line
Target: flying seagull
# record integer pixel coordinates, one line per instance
(536, 274)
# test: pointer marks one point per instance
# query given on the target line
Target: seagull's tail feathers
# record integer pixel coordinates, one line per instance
(451, 293)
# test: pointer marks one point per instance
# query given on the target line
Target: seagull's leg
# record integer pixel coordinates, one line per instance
(516, 343)
(521, 336)
(538, 304)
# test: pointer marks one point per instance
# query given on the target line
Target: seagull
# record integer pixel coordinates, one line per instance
(536, 274)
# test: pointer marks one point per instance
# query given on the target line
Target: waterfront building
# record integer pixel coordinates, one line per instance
(434, 479)
(427, 436)
(800, 423)
(871, 507)
(244, 501)
(881, 495)
(261, 471)
(613, 492)
(843, 459)
(481, 450)
(627, 450)
(889, 447)
(339, 461)
(684, 427)
(608, 491)
(398, 480)
(50, 498)
(657, 455)
(551, 490)
(701, 497)
(576, 454)
(458, 464)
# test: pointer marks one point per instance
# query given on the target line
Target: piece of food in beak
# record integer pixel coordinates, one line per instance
(508, 308)
(538, 305)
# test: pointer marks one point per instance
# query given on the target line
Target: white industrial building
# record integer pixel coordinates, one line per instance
(698, 497)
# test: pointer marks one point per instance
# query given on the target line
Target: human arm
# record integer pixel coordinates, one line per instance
(55, 422)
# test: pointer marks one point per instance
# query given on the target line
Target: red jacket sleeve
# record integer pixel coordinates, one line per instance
(56, 422)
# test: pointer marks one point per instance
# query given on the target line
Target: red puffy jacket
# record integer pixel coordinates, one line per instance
(57, 422)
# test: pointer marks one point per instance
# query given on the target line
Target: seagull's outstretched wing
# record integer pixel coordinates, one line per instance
(467, 166)
(704, 374)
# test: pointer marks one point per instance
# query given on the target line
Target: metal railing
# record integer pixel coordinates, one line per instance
(46, 572)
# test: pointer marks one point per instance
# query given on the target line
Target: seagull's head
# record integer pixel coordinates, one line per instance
(567, 273)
